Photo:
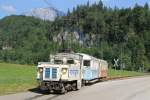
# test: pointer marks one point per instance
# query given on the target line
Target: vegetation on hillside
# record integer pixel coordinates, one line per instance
(105, 33)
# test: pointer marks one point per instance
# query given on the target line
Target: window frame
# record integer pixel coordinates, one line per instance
(89, 63)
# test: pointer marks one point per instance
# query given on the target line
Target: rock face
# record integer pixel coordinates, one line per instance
(44, 13)
(77, 37)
(70, 37)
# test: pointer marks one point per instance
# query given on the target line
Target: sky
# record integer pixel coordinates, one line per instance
(8, 7)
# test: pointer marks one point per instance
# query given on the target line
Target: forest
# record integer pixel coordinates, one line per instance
(106, 33)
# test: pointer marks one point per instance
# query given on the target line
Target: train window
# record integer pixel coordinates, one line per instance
(70, 61)
(86, 63)
(58, 62)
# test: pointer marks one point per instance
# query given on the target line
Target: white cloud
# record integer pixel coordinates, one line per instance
(10, 9)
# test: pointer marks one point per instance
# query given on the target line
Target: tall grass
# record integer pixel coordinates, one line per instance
(122, 73)
(16, 78)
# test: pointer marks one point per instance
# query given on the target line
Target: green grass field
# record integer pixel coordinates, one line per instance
(17, 78)
(122, 73)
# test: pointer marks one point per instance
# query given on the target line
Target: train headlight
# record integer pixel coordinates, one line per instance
(64, 70)
(40, 70)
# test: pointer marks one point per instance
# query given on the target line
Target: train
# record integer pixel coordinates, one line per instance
(70, 71)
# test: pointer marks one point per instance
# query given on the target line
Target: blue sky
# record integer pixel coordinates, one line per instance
(8, 7)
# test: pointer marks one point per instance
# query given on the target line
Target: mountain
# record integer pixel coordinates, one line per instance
(49, 13)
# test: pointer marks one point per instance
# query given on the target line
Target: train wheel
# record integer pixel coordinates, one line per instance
(63, 90)
(74, 86)
(51, 91)
(83, 82)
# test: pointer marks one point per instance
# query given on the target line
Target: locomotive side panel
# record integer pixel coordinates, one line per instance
(93, 68)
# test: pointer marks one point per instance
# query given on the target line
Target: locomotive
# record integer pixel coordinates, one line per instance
(69, 71)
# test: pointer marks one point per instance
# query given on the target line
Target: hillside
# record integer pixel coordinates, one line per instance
(103, 32)
(24, 39)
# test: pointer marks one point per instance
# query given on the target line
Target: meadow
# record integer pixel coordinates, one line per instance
(19, 78)
(123, 73)
(16, 78)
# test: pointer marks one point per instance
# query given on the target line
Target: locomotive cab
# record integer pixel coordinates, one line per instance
(62, 73)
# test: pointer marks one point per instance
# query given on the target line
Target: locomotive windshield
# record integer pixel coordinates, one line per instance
(86, 63)
(58, 62)
(70, 61)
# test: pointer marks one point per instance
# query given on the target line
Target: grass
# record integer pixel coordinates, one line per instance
(16, 78)
(122, 73)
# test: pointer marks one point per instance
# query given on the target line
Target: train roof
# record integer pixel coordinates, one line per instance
(86, 56)
(76, 56)
(67, 55)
